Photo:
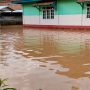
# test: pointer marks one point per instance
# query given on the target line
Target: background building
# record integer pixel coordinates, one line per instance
(10, 13)
(8, 3)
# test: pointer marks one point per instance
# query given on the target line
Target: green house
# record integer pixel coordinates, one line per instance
(55, 13)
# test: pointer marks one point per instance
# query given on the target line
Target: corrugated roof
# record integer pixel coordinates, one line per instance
(8, 3)
(18, 11)
(5, 8)
(2, 7)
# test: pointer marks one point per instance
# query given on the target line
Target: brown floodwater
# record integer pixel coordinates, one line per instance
(45, 59)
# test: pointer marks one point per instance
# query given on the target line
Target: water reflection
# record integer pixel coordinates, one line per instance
(36, 59)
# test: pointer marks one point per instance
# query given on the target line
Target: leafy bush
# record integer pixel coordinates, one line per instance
(3, 85)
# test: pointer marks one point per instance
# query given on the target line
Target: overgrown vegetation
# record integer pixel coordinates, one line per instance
(3, 85)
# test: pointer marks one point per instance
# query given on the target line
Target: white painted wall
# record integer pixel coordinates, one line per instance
(74, 20)
(38, 20)
(70, 19)
(86, 21)
(49, 21)
(33, 20)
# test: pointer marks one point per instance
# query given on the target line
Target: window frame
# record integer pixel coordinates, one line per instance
(88, 10)
(48, 12)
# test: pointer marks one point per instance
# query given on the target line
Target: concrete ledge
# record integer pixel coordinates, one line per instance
(56, 26)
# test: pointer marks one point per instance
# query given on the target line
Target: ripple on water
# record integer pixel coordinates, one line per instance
(45, 59)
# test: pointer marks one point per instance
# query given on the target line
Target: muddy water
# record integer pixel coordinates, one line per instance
(45, 59)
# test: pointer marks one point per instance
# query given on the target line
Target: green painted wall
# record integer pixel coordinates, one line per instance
(68, 7)
(64, 7)
(30, 10)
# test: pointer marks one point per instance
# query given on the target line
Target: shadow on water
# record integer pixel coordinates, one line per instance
(36, 59)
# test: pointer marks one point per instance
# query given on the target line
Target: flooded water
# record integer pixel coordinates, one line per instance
(45, 59)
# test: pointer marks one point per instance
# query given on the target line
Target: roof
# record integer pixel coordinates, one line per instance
(2, 7)
(12, 6)
(5, 8)
(18, 11)
(83, 0)
(24, 1)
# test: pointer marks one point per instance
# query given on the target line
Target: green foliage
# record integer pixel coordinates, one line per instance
(9, 89)
(3, 85)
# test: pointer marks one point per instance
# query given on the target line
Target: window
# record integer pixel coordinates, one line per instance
(88, 10)
(48, 13)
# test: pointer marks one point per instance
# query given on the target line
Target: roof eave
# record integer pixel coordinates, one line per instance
(24, 1)
(83, 0)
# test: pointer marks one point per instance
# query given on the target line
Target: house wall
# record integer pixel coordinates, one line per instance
(30, 14)
(68, 13)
